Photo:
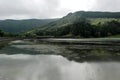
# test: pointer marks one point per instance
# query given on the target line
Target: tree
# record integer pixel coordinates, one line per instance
(1, 33)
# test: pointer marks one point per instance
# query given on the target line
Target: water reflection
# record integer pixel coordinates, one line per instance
(51, 67)
(78, 52)
(18, 65)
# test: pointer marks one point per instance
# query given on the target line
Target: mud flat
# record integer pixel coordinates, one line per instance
(90, 41)
(100, 49)
(4, 41)
(94, 49)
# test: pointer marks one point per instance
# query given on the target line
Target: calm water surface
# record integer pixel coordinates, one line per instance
(22, 66)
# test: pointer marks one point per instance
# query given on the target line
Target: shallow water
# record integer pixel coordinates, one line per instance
(22, 66)
(51, 67)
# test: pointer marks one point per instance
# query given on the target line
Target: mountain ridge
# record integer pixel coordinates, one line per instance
(75, 18)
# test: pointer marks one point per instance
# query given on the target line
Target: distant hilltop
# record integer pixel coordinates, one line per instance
(82, 24)
(94, 14)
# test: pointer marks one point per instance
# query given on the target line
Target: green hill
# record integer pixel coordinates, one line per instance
(96, 21)
(85, 22)
(18, 26)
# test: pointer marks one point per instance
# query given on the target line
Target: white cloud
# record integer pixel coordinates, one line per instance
(28, 8)
(107, 5)
(76, 5)
(20, 9)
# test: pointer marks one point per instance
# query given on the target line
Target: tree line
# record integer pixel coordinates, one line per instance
(84, 29)
(7, 34)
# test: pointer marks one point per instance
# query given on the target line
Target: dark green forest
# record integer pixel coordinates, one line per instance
(83, 29)
(7, 34)
(81, 24)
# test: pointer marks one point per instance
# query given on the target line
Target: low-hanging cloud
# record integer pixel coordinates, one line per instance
(25, 9)
(29, 9)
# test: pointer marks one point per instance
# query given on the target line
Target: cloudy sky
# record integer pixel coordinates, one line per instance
(41, 9)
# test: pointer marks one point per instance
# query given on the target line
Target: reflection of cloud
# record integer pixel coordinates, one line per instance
(50, 67)
(47, 68)
(35, 68)
(17, 56)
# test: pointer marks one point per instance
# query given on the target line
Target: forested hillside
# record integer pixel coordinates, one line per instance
(81, 24)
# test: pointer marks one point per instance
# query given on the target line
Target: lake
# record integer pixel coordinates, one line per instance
(31, 60)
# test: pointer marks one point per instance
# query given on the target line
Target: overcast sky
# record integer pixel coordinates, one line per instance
(41, 9)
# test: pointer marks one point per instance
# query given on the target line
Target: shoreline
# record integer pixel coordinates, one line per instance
(86, 50)
(97, 49)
